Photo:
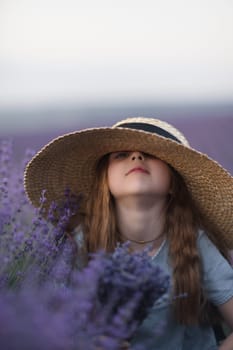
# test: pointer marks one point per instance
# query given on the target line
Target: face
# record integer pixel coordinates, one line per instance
(137, 173)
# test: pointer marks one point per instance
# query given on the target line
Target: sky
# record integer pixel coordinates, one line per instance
(65, 52)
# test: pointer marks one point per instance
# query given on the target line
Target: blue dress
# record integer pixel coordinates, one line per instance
(160, 331)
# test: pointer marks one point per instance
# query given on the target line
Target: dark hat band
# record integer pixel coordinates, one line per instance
(150, 128)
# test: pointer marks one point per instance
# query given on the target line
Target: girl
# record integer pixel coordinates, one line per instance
(141, 182)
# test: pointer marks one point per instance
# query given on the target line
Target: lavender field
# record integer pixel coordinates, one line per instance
(47, 301)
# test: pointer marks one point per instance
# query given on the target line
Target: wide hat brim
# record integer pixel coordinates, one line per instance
(70, 162)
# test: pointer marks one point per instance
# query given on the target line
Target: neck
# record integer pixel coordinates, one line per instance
(143, 241)
(141, 224)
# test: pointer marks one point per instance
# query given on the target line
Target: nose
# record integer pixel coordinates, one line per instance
(137, 155)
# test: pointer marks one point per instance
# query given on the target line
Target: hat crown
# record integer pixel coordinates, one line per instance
(156, 123)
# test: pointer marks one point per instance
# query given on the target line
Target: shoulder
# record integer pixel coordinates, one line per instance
(217, 273)
(206, 247)
(209, 253)
(202, 238)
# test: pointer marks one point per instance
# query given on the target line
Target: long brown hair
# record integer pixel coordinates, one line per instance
(183, 221)
(99, 223)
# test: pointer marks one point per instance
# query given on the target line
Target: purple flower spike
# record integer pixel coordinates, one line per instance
(46, 302)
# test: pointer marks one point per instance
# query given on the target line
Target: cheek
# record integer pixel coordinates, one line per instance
(163, 176)
(167, 181)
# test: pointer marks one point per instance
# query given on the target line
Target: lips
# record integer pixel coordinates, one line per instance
(137, 169)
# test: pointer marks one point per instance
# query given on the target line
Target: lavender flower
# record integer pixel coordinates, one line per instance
(48, 304)
(26, 238)
(84, 313)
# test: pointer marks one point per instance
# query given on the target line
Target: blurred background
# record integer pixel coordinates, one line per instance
(72, 64)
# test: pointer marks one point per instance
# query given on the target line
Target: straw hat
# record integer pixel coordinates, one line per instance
(70, 161)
